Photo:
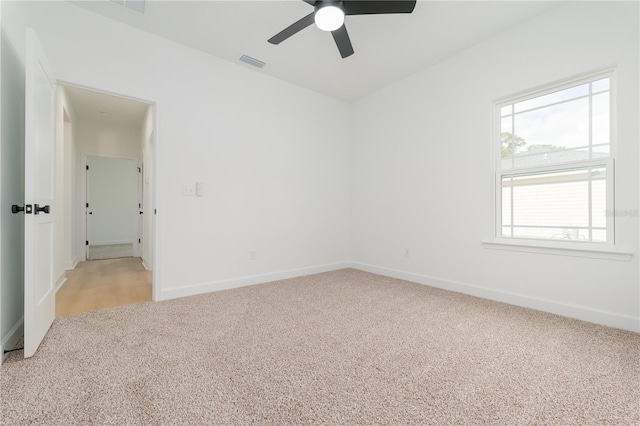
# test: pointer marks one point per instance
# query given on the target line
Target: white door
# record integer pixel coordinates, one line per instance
(39, 181)
(112, 207)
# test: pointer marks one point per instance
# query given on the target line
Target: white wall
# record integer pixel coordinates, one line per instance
(11, 175)
(276, 174)
(64, 210)
(107, 140)
(422, 168)
(148, 203)
(70, 196)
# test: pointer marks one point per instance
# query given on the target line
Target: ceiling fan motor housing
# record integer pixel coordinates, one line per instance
(322, 3)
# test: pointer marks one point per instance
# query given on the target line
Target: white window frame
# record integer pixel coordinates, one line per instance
(573, 248)
(608, 163)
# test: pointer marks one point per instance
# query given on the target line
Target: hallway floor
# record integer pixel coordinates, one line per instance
(102, 284)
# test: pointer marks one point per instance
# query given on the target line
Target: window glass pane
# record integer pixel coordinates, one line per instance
(506, 231)
(601, 151)
(505, 125)
(599, 235)
(544, 157)
(555, 127)
(547, 200)
(567, 234)
(555, 205)
(506, 202)
(506, 110)
(506, 140)
(562, 95)
(551, 199)
(598, 198)
(600, 110)
(600, 85)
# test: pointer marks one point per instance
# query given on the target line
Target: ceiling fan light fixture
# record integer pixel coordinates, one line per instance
(329, 17)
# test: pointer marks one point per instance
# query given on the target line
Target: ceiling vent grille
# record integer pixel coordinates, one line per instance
(135, 5)
(252, 61)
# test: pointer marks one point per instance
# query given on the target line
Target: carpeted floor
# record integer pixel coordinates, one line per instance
(110, 251)
(344, 347)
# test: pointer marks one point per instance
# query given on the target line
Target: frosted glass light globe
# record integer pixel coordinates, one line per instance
(329, 18)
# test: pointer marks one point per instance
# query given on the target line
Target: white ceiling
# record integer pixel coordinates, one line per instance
(108, 109)
(387, 47)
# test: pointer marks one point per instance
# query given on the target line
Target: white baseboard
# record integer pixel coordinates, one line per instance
(145, 264)
(611, 319)
(60, 281)
(10, 341)
(172, 293)
(70, 264)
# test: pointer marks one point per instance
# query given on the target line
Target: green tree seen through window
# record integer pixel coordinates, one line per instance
(520, 145)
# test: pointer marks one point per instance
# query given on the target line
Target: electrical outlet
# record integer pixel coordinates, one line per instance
(406, 253)
(188, 190)
(252, 254)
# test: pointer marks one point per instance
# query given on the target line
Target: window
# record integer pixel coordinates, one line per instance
(555, 163)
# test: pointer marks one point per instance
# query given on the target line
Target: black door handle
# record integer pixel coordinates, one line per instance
(27, 209)
(90, 212)
(141, 212)
(44, 209)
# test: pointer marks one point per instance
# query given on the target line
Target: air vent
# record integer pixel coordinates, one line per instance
(136, 5)
(252, 61)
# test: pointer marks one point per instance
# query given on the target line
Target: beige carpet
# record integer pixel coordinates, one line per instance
(110, 251)
(344, 347)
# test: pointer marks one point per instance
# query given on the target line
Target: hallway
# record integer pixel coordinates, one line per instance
(102, 284)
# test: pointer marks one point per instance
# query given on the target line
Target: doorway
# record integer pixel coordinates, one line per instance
(110, 143)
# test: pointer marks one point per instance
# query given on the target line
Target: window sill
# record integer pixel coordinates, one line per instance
(541, 248)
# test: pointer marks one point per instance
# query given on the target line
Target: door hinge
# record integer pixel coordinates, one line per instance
(87, 167)
(139, 241)
(139, 205)
(139, 170)
(155, 211)
(86, 243)
(87, 205)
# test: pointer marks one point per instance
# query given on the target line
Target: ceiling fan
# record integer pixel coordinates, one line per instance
(328, 15)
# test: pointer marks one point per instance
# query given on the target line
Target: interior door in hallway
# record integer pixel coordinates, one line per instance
(112, 207)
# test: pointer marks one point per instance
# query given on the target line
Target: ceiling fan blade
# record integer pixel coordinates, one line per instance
(343, 41)
(292, 29)
(374, 7)
(311, 2)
